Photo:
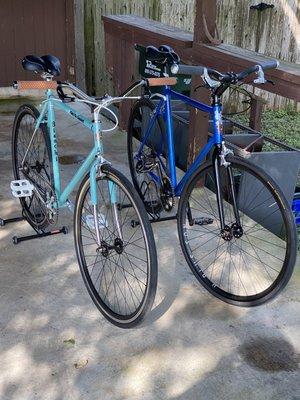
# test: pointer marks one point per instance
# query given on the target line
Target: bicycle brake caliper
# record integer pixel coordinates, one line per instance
(224, 153)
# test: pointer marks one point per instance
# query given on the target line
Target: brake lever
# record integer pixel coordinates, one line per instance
(211, 82)
(261, 76)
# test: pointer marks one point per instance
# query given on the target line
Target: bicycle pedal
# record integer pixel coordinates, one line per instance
(203, 221)
(21, 188)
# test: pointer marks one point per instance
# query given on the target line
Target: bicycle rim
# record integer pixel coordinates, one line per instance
(38, 165)
(245, 269)
(121, 274)
(153, 152)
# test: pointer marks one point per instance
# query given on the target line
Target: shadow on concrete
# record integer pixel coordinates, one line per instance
(55, 345)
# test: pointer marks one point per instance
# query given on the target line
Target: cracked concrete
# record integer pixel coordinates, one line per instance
(55, 345)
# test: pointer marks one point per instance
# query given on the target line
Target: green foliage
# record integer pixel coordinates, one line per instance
(282, 125)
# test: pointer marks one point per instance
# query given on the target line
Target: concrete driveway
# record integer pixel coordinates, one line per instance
(55, 345)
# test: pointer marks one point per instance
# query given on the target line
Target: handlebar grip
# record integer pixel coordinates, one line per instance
(265, 65)
(272, 64)
(37, 85)
(182, 69)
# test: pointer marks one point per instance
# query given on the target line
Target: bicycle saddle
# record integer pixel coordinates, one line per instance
(163, 54)
(48, 63)
(52, 64)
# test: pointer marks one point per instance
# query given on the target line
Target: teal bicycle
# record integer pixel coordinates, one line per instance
(118, 261)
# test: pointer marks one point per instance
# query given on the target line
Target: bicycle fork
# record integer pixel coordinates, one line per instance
(235, 230)
(113, 202)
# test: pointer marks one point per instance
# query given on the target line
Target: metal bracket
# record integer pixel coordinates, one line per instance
(261, 76)
(262, 6)
(211, 83)
(224, 153)
(102, 161)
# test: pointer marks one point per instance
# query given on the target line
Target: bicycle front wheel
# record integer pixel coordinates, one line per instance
(120, 273)
(250, 263)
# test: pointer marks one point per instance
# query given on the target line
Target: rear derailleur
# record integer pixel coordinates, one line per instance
(165, 196)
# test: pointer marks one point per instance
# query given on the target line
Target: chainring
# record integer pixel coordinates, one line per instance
(167, 195)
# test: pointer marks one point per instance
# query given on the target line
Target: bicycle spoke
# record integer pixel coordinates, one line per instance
(240, 265)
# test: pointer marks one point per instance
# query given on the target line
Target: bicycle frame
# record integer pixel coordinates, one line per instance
(91, 162)
(164, 108)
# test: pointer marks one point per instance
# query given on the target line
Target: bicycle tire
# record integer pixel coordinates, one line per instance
(133, 134)
(24, 121)
(257, 226)
(143, 276)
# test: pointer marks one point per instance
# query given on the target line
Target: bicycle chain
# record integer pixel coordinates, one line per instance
(167, 195)
(48, 204)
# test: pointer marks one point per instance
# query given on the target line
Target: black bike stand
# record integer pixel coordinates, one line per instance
(10, 220)
(37, 235)
(154, 221)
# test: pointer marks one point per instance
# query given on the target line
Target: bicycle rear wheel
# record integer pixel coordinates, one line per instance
(153, 154)
(37, 167)
(121, 273)
(250, 263)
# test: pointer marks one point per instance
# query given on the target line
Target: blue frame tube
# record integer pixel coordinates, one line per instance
(191, 102)
(214, 111)
(171, 149)
(150, 126)
(199, 159)
(217, 123)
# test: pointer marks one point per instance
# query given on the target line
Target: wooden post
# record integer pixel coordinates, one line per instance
(120, 62)
(127, 77)
(198, 126)
(256, 113)
(206, 13)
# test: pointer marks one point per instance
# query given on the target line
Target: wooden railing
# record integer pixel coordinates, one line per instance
(123, 31)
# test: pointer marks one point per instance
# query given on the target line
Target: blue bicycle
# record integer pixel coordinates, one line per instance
(235, 226)
(117, 260)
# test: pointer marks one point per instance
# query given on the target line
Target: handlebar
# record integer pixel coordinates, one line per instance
(272, 64)
(221, 77)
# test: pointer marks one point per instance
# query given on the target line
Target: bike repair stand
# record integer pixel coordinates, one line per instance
(135, 223)
(153, 221)
(20, 189)
(39, 233)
